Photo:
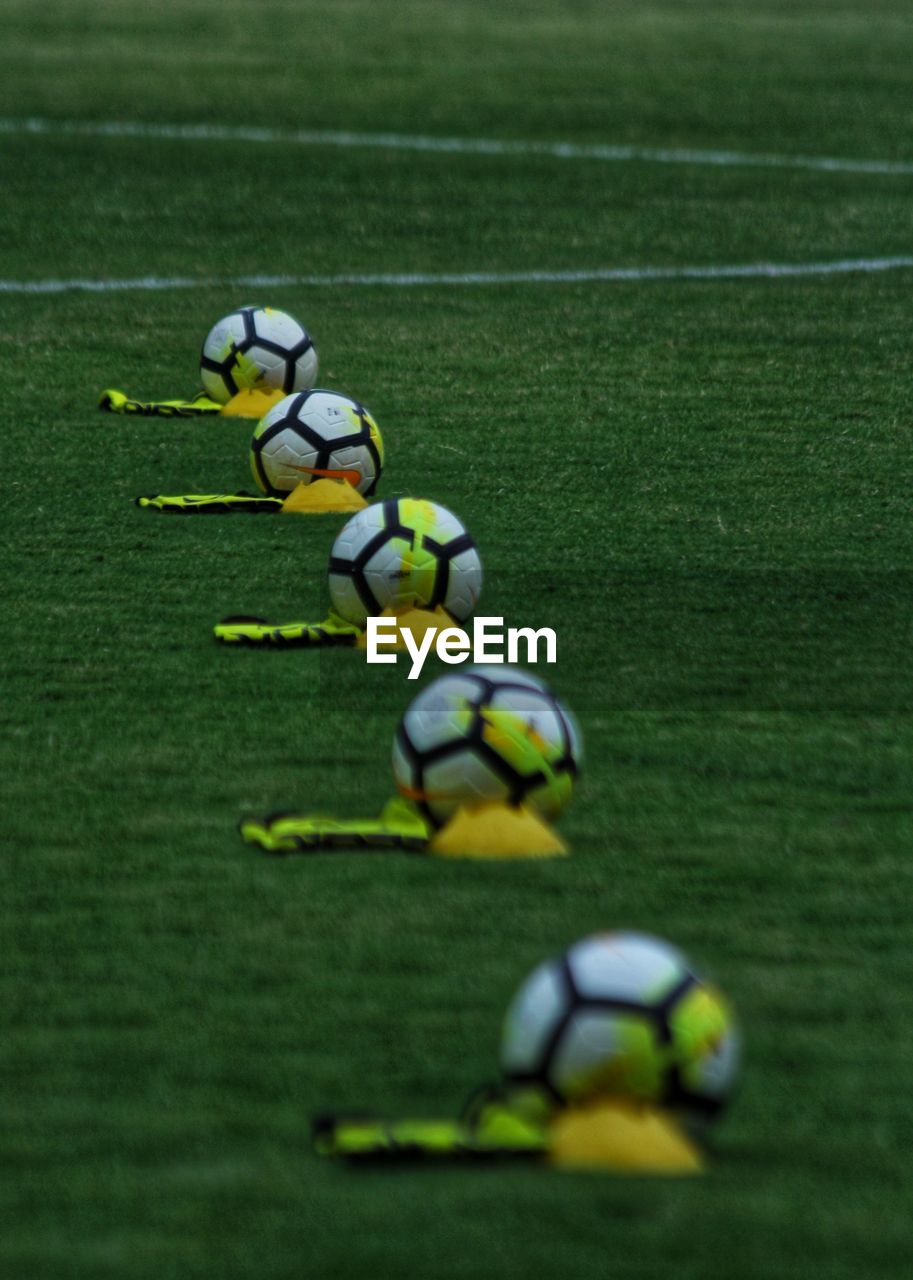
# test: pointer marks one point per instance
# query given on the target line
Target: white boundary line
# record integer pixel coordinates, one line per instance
(466, 146)
(608, 275)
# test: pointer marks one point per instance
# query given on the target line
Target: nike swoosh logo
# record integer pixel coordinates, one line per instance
(428, 797)
(353, 477)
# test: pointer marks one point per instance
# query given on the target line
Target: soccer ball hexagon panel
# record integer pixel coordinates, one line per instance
(622, 1015)
(486, 734)
(257, 347)
(316, 434)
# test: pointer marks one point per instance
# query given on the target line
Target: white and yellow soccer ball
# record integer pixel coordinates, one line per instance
(621, 1016)
(257, 348)
(403, 554)
(486, 734)
(316, 434)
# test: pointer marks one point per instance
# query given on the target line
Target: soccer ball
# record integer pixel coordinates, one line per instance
(404, 554)
(487, 733)
(621, 1015)
(257, 347)
(313, 434)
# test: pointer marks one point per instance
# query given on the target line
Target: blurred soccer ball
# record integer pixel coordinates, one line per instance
(621, 1015)
(407, 553)
(487, 733)
(314, 434)
(259, 348)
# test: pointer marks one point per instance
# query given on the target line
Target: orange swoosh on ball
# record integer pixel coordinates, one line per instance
(410, 793)
(353, 477)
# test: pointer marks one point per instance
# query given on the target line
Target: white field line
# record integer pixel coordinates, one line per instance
(466, 146)
(608, 275)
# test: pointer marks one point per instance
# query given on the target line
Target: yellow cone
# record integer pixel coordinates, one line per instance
(496, 831)
(248, 403)
(322, 497)
(622, 1137)
(416, 621)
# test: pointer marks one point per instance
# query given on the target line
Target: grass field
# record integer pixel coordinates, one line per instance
(703, 485)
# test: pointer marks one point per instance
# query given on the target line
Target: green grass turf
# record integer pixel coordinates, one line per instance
(702, 486)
